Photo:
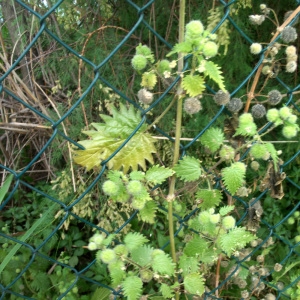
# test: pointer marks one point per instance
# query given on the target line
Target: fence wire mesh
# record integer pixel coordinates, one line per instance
(59, 211)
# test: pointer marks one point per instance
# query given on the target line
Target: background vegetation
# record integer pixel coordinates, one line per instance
(44, 228)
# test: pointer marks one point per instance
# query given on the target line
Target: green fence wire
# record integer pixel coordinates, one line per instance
(19, 177)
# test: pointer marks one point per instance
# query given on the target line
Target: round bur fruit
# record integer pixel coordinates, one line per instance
(258, 111)
(234, 105)
(222, 97)
(255, 48)
(108, 256)
(259, 151)
(273, 115)
(121, 250)
(146, 275)
(289, 34)
(274, 97)
(284, 112)
(163, 66)
(134, 187)
(227, 152)
(194, 29)
(210, 49)
(228, 222)
(110, 188)
(192, 105)
(145, 96)
(139, 62)
(290, 131)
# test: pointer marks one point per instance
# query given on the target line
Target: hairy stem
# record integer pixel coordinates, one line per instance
(171, 195)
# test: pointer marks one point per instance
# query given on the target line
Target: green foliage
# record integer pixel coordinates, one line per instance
(212, 139)
(194, 283)
(134, 240)
(132, 287)
(234, 176)
(157, 174)
(110, 135)
(162, 263)
(235, 239)
(212, 70)
(193, 85)
(188, 169)
(209, 198)
(166, 291)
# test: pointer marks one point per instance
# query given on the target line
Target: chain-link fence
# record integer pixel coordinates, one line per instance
(53, 129)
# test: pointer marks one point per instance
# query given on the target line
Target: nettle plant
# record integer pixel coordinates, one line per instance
(208, 245)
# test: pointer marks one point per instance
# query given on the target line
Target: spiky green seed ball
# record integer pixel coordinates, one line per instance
(146, 275)
(254, 165)
(255, 48)
(228, 222)
(259, 151)
(245, 118)
(204, 217)
(143, 50)
(292, 119)
(108, 256)
(193, 30)
(139, 62)
(192, 105)
(98, 239)
(163, 66)
(92, 246)
(138, 203)
(284, 112)
(272, 115)
(227, 152)
(258, 111)
(110, 188)
(290, 131)
(297, 238)
(222, 97)
(134, 187)
(210, 49)
(215, 218)
(121, 250)
(234, 105)
(274, 97)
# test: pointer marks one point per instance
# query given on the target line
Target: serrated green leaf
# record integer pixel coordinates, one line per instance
(184, 47)
(195, 246)
(209, 198)
(233, 176)
(194, 284)
(142, 255)
(148, 212)
(116, 272)
(166, 291)
(132, 287)
(134, 240)
(101, 293)
(226, 210)
(188, 168)
(158, 174)
(213, 71)
(110, 135)
(163, 264)
(137, 175)
(193, 85)
(235, 239)
(188, 264)
(212, 138)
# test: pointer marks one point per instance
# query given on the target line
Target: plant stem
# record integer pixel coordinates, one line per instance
(171, 195)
